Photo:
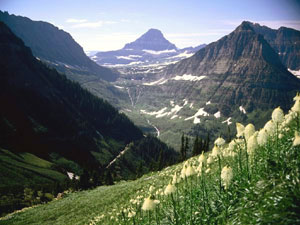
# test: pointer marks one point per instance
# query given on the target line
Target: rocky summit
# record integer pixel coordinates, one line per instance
(153, 39)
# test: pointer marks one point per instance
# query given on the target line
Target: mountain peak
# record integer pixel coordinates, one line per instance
(153, 39)
(244, 26)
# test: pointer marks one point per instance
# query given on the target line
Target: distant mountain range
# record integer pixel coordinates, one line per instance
(55, 46)
(240, 77)
(151, 48)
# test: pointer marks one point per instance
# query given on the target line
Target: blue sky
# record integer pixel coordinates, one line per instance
(110, 24)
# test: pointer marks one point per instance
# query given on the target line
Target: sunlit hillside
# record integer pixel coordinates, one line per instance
(254, 179)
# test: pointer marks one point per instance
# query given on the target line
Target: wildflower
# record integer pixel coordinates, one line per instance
(262, 137)
(240, 130)
(219, 142)
(207, 171)
(183, 171)
(226, 176)
(199, 169)
(131, 214)
(249, 131)
(210, 160)
(270, 127)
(215, 151)
(296, 107)
(156, 201)
(190, 171)
(151, 189)
(202, 158)
(278, 115)
(175, 179)
(252, 144)
(296, 141)
(170, 189)
(297, 97)
(232, 145)
(148, 204)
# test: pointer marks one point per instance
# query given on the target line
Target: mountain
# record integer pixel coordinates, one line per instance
(285, 41)
(153, 39)
(55, 46)
(44, 113)
(238, 78)
(239, 69)
(151, 48)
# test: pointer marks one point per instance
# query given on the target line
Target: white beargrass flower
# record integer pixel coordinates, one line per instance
(262, 137)
(252, 144)
(131, 214)
(249, 131)
(240, 130)
(226, 176)
(170, 189)
(297, 97)
(208, 170)
(183, 171)
(199, 169)
(215, 151)
(278, 115)
(151, 189)
(296, 141)
(296, 107)
(175, 179)
(202, 158)
(232, 145)
(270, 127)
(210, 160)
(219, 142)
(190, 171)
(148, 204)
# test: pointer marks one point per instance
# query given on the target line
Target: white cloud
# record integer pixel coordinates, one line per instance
(71, 20)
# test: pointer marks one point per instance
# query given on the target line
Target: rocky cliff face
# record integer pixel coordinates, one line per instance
(153, 39)
(55, 46)
(239, 69)
(285, 41)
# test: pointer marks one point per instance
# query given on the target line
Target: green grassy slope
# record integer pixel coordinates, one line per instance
(263, 189)
(25, 168)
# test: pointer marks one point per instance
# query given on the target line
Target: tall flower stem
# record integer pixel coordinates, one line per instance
(220, 169)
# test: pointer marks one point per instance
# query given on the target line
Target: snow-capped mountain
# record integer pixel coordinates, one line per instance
(151, 48)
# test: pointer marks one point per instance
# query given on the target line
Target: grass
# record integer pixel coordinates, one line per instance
(25, 168)
(264, 189)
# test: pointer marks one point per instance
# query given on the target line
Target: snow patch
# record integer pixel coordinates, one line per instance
(158, 82)
(191, 105)
(196, 120)
(208, 103)
(295, 72)
(124, 57)
(188, 77)
(241, 108)
(172, 103)
(118, 87)
(217, 114)
(185, 102)
(227, 121)
(182, 55)
(157, 113)
(158, 52)
(173, 117)
(200, 112)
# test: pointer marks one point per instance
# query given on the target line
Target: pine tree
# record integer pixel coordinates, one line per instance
(186, 147)
(182, 148)
(196, 146)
